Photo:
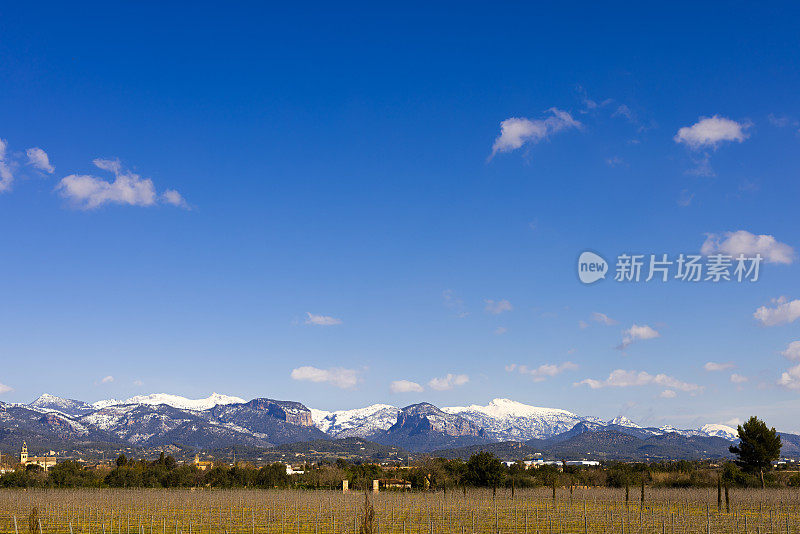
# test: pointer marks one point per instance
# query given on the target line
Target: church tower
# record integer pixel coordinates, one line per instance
(23, 456)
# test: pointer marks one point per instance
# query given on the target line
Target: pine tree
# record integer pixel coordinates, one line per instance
(758, 447)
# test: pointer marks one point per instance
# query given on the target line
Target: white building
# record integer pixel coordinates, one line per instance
(291, 471)
(45, 462)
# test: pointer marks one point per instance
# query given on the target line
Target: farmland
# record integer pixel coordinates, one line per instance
(199, 511)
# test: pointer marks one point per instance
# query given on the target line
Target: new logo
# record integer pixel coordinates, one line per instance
(591, 267)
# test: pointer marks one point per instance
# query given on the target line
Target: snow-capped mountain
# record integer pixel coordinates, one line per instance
(505, 419)
(621, 420)
(720, 431)
(666, 429)
(207, 422)
(361, 422)
(175, 401)
(223, 420)
(57, 404)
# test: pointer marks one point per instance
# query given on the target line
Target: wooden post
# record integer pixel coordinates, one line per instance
(727, 500)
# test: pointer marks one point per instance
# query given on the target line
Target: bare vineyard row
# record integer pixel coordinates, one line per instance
(533, 511)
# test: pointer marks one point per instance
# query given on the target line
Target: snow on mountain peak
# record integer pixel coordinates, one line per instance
(46, 399)
(503, 419)
(176, 401)
(507, 419)
(720, 431)
(499, 408)
(621, 420)
(50, 403)
(360, 422)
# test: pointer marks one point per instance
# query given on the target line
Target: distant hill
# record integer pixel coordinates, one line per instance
(600, 443)
(347, 448)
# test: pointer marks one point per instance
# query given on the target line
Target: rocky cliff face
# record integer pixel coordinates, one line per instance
(292, 412)
(427, 417)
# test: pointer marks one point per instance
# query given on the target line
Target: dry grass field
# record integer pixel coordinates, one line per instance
(159, 511)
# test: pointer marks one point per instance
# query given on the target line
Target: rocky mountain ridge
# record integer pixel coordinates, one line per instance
(223, 420)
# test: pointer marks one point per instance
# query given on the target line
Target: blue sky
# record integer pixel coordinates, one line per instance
(220, 173)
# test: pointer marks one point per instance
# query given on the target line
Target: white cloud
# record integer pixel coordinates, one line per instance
(496, 307)
(172, 197)
(113, 166)
(637, 332)
(791, 378)
(321, 320)
(515, 132)
(138, 383)
(6, 176)
(602, 318)
(107, 379)
(738, 379)
(500, 330)
(89, 192)
(620, 378)
(38, 159)
(743, 242)
(405, 386)
(715, 366)
(448, 381)
(668, 394)
(710, 131)
(783, 312)
(337, 376)
(5, 389)
(543, 371)
(792, 352)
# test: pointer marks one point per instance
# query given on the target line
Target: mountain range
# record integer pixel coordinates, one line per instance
(224, 421)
